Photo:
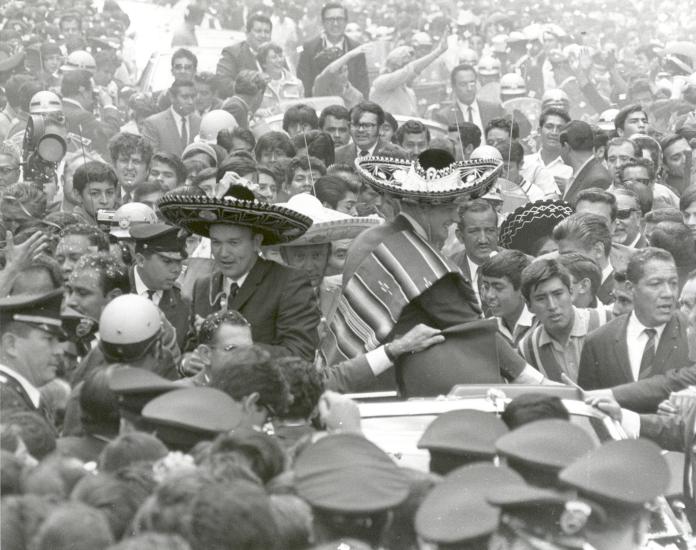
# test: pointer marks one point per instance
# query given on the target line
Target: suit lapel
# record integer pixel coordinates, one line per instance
(668, 342)
(621, 351)
(215, 290)
(172, 132)
(255, 277)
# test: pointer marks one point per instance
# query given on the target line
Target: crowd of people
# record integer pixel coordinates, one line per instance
(362, 197)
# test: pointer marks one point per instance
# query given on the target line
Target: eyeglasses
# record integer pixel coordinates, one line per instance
(181, 67)
(625, 214)
(644, 181)
(365, 125)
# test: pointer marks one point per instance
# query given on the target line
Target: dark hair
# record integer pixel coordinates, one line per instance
(675, 238)
(644, 196)
(469, 134)
(331, 190)
(205, 77)
(257, 17)
(250, 370)
(36, 433)
(530, 407)
(595, 194)
(504, 123)
(188, 54)
(174, 162)
(367, 107)
(124, 143)
(582, 267)
(670, 139)
(146, 188)
(131, 448)
(249, 83)
(475, 205)
(336, 111)
(635, 270)
(688, 196)
(265, 49)
(389, 119)
(319, 145)
(93, 171)
(94, 235)
(622, 115)
(617, 142)
(586, 228)
(506, 264)
(306, 386)
(239, 164)
(317, 167)
(411, 127)
(226, 136)
(460, 68)
(178, 84)
(98, 404)
(649, 144)
(553, 111)
(211, 324)
(39, 263)
(272, 141)
(112, 273)
(13, 88)
(333, 6)
(73, 526)
(511, 151)
(663, 215)
(152, 541)
(540, 271)
(261, 451)
(72, 82)
(70, 16)
(300, 114)
(638, 162)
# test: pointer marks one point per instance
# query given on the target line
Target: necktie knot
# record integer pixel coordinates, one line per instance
(363, 153)
(650, 332)
(150, 293)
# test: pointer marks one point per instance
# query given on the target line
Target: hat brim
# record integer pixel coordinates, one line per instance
(407, 181)
(522, 229)
(328, 232)
(198, 213)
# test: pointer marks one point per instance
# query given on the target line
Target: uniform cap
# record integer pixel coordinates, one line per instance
(466, 432)
(347, 473)
(160, 238)
(136, 387)
(42, 311)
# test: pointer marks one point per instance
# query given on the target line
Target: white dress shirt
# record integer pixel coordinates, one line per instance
(636, 340)
(475, 115)
(141, 288)
(177, 120)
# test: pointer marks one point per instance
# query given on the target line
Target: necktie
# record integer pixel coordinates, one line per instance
(231, 293)
(150, 293)
(646, 363)
(363, 153)
(470, 114)
(184, 132)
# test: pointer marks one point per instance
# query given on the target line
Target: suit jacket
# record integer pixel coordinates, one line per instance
(604, 360)
(82, 122)
(162, 131)
(593, 174)
(239, 109)
(645, 395)
(307, 69)
(346, 154)
(451, 114)
(234, 59)
(605, 291)
(351, 376)
(175, 307)
(278, 302)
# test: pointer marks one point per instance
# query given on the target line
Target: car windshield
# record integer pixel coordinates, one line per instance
(158, 75)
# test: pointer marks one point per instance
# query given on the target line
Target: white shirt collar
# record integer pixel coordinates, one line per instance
(635, 241)
(635, 328)
(327, 43)
(33, 393)
(141, 288)
(177, 118)
(240, 282)
(607, 272)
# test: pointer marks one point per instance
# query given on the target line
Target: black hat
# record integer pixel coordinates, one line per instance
(42, 311)
(166, 240)
(528, 223)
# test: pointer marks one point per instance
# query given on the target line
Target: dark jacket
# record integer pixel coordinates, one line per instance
(278, 302)
(645, 395)
(451, 114)
(162, 132)
(307, 69)
(593, 174)
(346, 154)
(83, 123)
(234, 59)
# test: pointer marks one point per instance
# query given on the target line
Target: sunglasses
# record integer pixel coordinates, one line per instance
(625, 214)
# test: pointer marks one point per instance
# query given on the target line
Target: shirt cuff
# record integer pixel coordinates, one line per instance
(529, 375)
(378, 361)
(630, 422)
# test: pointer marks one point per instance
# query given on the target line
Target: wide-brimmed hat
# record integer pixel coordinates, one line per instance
(433, 178)
(530, 222)
(328, 225)
(196, 213)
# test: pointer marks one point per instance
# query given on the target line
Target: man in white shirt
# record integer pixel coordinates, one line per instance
(547, 161)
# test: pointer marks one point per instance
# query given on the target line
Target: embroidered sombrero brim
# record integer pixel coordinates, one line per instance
(197, 213)
(523, 228)
(408, 181)
(335, 230)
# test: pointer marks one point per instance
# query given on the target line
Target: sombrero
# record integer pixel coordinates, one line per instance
(433, 178)
(327, 225)
(530, 222)
(197, 213)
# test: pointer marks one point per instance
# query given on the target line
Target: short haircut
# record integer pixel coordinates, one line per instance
(505, 123)
(188, 54)
(249, 83)
(262, 451)
(469, 134)
(112, 273)
(585, 228)
(582, 267)
(540, 271)
(99, 404)
(306, 386)
(125, 144)
(146, 188)
(622, 115)
(271, 141)
(330, 190)
(318, 144)
(576, 138)
(73, 81)
(277, 175)
(367, 107)
(42, 262)
(300, 114)
(37, 434)
(225, 137)
(675, 238)
(506, 264)
(93, 171)
(265, 49)
(553, 111)
(333, 6)
(177, 85)
(617, 142)
(476, 205)
(511, 151)
(305, 163)
(389, 119)
(337, 111)
(530, 407)
(670, 139)
(13, 87)
(595, 194)
(460, 68)
(412, 127)
(30, 196)
(250, 370)
(130, 448)
(635, 270)
(638, 162)
(643, 197)
(94, 235)
(234, 163)
(213, 322)
(663, 215)
(260, 18)
(687, 198)
(73, 526)
(649, 144)
(174, 162)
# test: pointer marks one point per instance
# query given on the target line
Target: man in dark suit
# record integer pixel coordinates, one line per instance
(174, 128)
(238, 57)
(159, 252)
(650, 340)
(465, 107)
(577, 151)
(366, 118)
(334, 17)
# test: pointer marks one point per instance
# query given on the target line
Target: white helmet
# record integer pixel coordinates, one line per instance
(129, 214)
(467, 55)
(128, 324)
(488, 66)
(45, 102)
(214, 121)
(486, 152)
(512, 84)
(606, 120)
(80, 60)
(421, 39)
(555, 98)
